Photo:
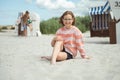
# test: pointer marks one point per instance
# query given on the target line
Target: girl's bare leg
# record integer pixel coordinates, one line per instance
(57, 48)
(57, 55)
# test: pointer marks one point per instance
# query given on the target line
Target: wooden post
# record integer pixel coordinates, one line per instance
(91, 29)
(19, 29)
(112, 32)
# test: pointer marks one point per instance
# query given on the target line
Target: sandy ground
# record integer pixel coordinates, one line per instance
(20, 59)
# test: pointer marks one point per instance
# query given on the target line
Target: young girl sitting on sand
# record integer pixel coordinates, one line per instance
(67, 41)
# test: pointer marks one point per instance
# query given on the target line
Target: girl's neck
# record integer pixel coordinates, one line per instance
(68, 27)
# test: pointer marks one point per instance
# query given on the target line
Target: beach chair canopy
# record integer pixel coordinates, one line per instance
(100, 9)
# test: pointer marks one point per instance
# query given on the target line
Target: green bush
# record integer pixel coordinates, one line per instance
(0, 28)
(83, 23)
(50, 26)
(4, 27)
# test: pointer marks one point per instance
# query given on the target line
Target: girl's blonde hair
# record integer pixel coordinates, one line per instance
(65, 13)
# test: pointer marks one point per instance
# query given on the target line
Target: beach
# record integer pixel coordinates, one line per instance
(20, 59)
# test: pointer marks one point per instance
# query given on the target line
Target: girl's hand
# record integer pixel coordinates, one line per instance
(85, 57)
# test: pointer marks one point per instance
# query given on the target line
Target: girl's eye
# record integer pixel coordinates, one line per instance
(67, 19)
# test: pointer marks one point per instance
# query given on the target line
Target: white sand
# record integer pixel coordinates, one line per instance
(20, 59)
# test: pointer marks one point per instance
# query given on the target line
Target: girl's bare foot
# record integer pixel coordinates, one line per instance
(85, 57)
(49, 59)
(46, 57)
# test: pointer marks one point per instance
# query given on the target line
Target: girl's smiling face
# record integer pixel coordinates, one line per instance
(67, 21)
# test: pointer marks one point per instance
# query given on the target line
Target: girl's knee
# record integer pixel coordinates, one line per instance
(59, 38)
(59, 57)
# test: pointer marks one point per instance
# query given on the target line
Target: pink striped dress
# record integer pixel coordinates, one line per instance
(72, 40)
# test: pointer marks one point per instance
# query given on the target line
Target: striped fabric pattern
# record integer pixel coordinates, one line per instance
(72, 39)
(100, 9)
(106, 7)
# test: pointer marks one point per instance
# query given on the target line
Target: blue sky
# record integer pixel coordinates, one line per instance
(46, 9)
